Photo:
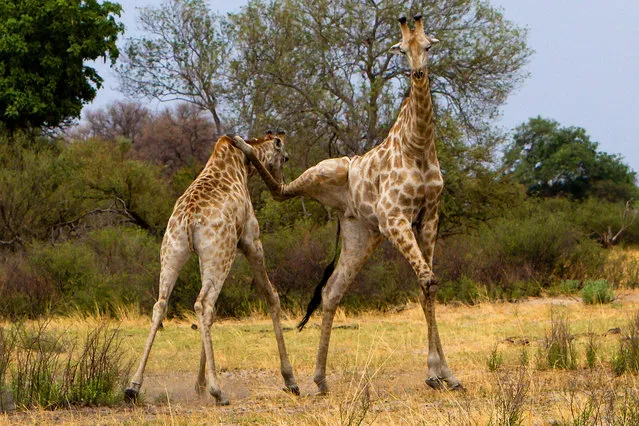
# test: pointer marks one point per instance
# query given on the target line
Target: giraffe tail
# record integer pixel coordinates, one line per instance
(317, 294)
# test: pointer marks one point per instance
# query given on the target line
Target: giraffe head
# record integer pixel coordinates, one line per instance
(415, 45)
(272, 153)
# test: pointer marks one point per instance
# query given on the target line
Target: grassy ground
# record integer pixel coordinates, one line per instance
(376, 369)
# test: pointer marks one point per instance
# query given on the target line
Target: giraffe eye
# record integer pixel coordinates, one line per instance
(428, 47)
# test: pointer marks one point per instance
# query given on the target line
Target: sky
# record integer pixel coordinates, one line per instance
(583, 72)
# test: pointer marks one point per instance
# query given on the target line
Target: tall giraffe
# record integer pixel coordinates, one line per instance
(214, 217)
(391, 192)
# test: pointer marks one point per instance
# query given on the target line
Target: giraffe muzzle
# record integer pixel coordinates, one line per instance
(418, 75)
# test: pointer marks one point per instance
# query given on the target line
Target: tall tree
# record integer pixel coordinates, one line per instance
(552, 160)
(44, 45)
(326, 70)
(181, 57)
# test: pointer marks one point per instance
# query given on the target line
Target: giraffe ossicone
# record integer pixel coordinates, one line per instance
(213, 218)
(391, 192)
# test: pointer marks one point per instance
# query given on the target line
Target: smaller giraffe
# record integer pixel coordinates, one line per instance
(213, 218)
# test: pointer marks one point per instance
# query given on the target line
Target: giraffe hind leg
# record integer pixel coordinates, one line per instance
(172, 262)
(214, 267)
(254, 253)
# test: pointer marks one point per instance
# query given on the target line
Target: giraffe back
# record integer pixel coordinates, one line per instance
(217, 203)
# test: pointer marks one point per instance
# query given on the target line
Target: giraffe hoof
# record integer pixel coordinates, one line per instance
(199, 389)
(131, 395)
(435, 383)
(294, 389)
(456, 387)
(222, 401)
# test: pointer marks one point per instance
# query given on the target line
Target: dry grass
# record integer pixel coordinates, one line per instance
(376, 369)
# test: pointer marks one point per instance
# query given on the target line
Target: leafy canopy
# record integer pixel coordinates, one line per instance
(552, 160)
(43, 47)
(327, 68)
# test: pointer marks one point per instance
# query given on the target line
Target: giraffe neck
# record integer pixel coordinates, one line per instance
(263, 152)
(417, 129)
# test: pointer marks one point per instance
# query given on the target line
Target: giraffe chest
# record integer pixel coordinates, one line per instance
(394, 186)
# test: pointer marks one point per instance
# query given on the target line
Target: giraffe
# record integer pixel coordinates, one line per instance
(213, 218)
(393, 192)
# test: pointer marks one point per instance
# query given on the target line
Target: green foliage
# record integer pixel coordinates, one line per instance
(105, 180)
(43, 46)
(532, 247)
(552, 160)
(558, 350)
(597, 292)
(627, 356)
(565, 287)
(591, 351)
(109, 268)
(310, 86)
(50, 375)
(495, 359)
(464, 290)
(32, 197)
(50, 190)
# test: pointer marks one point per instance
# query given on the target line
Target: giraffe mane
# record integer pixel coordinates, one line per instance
(227, 140)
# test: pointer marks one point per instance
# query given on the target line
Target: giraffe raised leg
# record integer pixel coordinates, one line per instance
(399, 231)
(251, 246)
(173, 258)
(358, 242)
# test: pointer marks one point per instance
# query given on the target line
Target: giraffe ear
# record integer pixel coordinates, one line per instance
(396, 49)
(281, 134)
(433, 40)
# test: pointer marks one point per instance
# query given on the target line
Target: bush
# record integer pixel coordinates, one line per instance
(597, 292)
(23, 292)
(43, 369)
(108, 268)
(558, 349)
(627, 356)
(495, 360)
(465, 290)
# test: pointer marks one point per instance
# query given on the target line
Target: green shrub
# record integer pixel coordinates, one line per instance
(465, 290)
(627, 356)
(597, 292)
(558, 349)
(48, 372)
(591, 351)
(110, 267)
(74, 271)
(495, 359)
(23, 292)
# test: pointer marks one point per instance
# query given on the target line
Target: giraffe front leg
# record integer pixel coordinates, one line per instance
(438, 369)
(399, 231)
(172, 261)
(251, 246)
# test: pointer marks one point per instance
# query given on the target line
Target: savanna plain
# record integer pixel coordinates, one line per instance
(539, 361)
(377, 366)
